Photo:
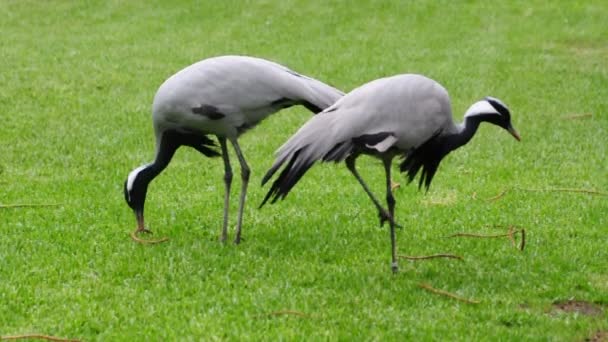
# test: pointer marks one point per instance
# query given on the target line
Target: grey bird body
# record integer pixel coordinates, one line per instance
(242, 90)
(223, 96)
(383, 105)
(408, 115)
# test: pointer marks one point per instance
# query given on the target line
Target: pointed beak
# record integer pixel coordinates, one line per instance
(514, 133)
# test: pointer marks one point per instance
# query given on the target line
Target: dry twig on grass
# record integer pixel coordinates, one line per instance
(27, 205)
(479, 236)
(577, 116)
(147, 242)
(38, 336)
(285, 313)
(510, 235)
(447, 294)
(585, 191)
(497, 197)
(426, 257)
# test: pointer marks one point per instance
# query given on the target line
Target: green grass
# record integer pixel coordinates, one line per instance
(76, 85)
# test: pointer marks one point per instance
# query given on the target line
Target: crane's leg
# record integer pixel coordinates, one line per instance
(384, 215)
(245, 171)
(227, 183)
(390, 200)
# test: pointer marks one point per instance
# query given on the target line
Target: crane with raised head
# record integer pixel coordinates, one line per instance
(405, 115)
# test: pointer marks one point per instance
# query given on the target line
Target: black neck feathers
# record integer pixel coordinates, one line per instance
(136, 185)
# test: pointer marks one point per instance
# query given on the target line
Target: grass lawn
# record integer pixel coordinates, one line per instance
(77, 80)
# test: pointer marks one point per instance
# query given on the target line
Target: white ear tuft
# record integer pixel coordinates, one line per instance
(133, 175)
(480, 107)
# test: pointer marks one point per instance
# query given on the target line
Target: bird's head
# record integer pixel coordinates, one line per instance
(135, 188)
(494, 111)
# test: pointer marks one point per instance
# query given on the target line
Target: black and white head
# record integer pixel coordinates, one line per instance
(135, 188)
(494, 111)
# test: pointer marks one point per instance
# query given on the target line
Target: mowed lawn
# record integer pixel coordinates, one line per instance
(77, 79)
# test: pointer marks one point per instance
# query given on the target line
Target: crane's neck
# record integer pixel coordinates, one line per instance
(464, 132)
(137, 183)
(164, 153)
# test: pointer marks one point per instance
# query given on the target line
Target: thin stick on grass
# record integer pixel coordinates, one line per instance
(147, 242)
(479, 236)
(286, 313)
(499, 196)
(426, 257)
(447, 294)
(28, 205)
(510, 235)
(585, 191)
(38, 336)
(511, 238)
(577, 116)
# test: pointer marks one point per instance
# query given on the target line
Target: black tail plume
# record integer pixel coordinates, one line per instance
(201, 143)
(287, 179)
(426, 157)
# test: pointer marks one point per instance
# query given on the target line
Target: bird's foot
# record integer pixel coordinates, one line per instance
(386, 217)
(145, 241)
(395, 267)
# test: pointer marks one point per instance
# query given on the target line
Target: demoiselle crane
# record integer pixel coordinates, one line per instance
(407, 115)
(223, 96)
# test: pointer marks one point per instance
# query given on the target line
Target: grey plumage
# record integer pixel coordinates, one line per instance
(222, 96)
(408, 115)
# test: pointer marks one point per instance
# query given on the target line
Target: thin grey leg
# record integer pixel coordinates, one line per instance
(227, 183)
(384, 215)
(245, 171)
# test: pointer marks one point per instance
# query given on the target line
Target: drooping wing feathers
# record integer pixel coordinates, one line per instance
(286, 179)
(339, 152)
(426, 157)
(314, 141)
